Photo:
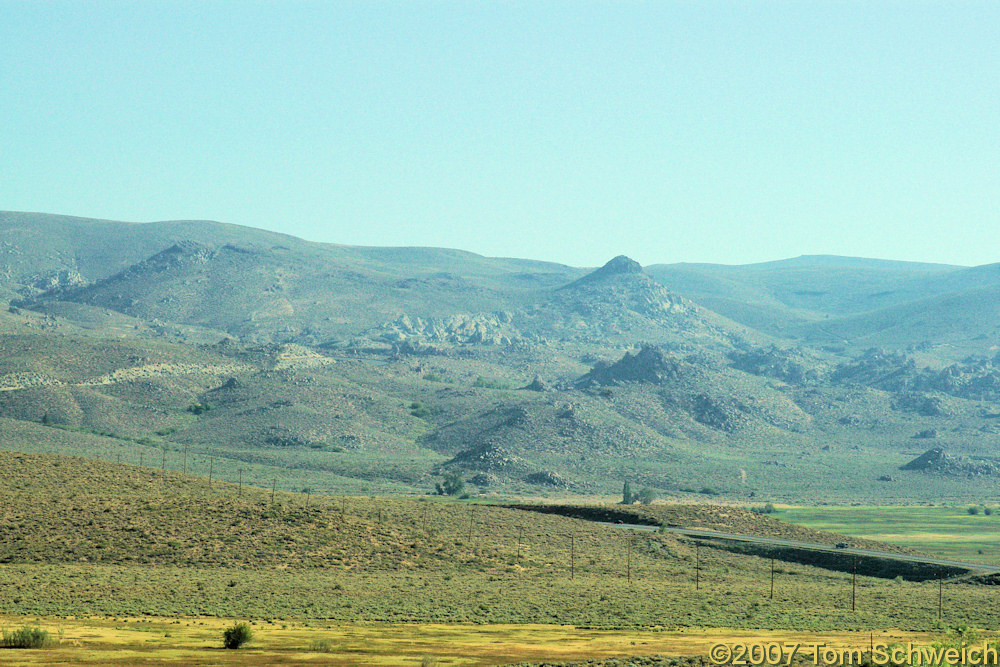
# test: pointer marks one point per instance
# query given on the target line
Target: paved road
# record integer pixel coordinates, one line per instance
(978, 568)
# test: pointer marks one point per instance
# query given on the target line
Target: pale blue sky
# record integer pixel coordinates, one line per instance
(570, 131)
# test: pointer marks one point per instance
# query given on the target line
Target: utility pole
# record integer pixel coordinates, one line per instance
(940, 595)
(241, 482)
(211, 469)
(273, 485)
(697, 565)
(572, 557)
(520, 532)
(628, 538)
(854, 582)
(772, 577)
(185, 459)
(163, 463)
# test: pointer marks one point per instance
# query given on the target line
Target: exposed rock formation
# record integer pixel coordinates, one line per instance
(936, 460)
(483, 329)
(546, 478)
(649, 364)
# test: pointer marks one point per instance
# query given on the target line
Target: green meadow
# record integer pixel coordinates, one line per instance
(949, 531)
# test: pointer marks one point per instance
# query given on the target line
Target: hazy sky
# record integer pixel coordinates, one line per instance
(570, 131)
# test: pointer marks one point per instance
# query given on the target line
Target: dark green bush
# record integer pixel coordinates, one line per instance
(26, 637)
(237, 636)
(490, 384)
(646, 495)
(452, 485)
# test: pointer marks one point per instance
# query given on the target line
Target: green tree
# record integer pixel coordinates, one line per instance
(452, 485)
(646, 495)
(627, 497)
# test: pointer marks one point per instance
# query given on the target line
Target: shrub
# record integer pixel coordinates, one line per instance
(988, 511)
(646, 495)
(199, 408)
(490, 384)
(26, 637)
(974, 510)
(321, 646)
(237, 636)
(766, 508)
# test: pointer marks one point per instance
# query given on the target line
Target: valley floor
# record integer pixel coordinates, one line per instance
(197, 641)
(963, 532)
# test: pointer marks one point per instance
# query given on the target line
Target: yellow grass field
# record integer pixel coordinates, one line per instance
(197, 641)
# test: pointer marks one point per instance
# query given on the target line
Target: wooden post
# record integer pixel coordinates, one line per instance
(240, 493)
(854, 582)
(211, 469)
(772, 577)
(141, 456)
(697, 565)
(343, 509)
(119, 458)
(185, 459)
(380, 516)
(273, 485)
(572, 556)
(472, 514)
(163, 463)
(520, 533)
(308, 492)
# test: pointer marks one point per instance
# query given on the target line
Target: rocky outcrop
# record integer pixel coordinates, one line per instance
(620, 265)
(891, 371)
(976, 378)
(537, 385)
(462, 329)
(489, 458)
(936, 460)
(922, 404)
(791, 366)
(649, 364)
(59, 280)
(546, 478)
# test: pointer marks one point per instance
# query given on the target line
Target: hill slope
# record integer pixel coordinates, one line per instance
(368, 370)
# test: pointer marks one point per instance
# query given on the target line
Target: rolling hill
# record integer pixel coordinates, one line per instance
(376, 370)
